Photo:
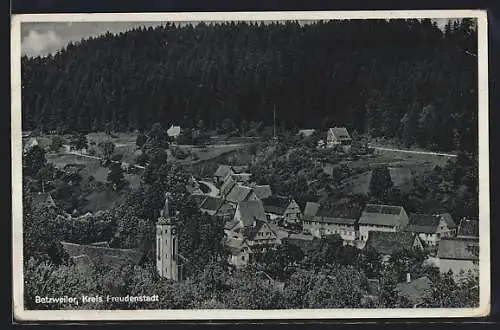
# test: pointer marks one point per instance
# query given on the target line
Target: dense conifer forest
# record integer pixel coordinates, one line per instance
(404, 79)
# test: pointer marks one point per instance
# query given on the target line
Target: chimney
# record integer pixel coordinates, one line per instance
(408, 277)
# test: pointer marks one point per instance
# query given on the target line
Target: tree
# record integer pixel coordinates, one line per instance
(34, 160)
(78, 141)
(46, 175)
(107, 149)
(141, 140)
(115, 176)
(380, 183)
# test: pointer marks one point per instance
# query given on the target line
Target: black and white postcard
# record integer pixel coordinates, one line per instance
(264, 165)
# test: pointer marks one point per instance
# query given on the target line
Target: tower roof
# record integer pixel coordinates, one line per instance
(164, 221)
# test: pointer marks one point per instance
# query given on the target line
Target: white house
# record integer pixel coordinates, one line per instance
(387, 218)
(458, 255)
(431, 227)
(338, 136)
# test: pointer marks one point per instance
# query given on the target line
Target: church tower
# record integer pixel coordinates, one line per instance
(167, 244)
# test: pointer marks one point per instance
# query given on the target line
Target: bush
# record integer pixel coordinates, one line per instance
(117, 157)
(179, 153)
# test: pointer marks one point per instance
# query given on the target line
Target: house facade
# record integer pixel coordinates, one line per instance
(431, 227)
(338, 136)
(458, 255)
(285, 208)
(385, 218)
(319, 226)
(387, 243)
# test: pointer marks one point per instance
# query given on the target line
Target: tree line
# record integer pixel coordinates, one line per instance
(404, 79)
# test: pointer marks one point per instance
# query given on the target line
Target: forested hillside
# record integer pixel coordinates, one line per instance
(399, 79)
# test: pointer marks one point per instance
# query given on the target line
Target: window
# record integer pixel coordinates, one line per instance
(173, 248)
(243, 258)
(158, 247)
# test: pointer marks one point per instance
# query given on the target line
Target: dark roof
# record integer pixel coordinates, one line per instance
(227, 185)
(238, 194)
(389, 242)
(251, 231)
(250, 211)
(223, 170)
(263, 191)
(468, 228)
(311, 209)
(458, 249)
(211, 203)
(230, 224)
(276, 204)
(199, 199)
(341, 133)
(334, 220)
(99, 254)
(428, 223)
(42, 199)
(375, 214)
(416, 290)
(239, 169)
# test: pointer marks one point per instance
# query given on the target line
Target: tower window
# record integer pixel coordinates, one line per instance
(173, 248)
(158, 249)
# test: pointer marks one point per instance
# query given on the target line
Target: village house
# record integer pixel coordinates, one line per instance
(458, 255)
(248, 232)
(285, 208)
(211, 205)
(468, 229)
(240, 193)
(386, 243)
(431, 227)
(42, 142)
(101, 253)
(262, 191)
(323, 224)
(376, 217)
(222, 172)
(338, 136)
(227, 184)
(42, 199)
(306, 132)
(174, 132)
(414, 292)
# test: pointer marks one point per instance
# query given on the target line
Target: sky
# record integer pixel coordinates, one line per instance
(43, 38)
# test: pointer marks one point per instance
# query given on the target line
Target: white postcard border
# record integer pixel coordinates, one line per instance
(21, 314)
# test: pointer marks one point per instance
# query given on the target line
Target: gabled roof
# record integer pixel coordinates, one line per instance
(99, 254)
(263, 191)
(276, 204)
(250, 211)
(416, 290)
(311, 209)
(306, 132)
(223, 170)
(238, 194)
(458, 249)
(388, 242)
(227, 185)
(428, 223)
(229, 225)
(199, 199)
(42, 199)
(382, 215)
(236, 246)
(211, 204)
(340, 133)
(334, 220)
(468, 228)
(239, 169)
(251, 231)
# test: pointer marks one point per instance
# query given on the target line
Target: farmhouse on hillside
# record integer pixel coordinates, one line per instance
(386, 243)
(222, 172)
(285, 208)
(431, 227)
(240, 193)
(376, 217)
(338, 136)
(458, 255)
